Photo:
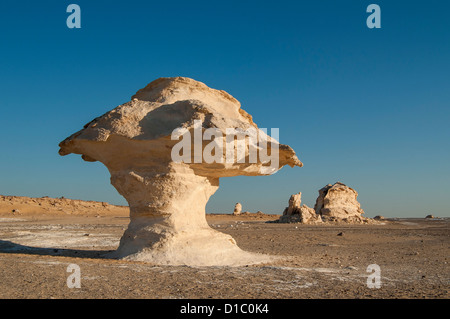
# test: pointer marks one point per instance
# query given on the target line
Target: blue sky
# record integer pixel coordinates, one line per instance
(367, 107)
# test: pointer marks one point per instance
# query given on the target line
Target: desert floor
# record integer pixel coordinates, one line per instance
(36, 249)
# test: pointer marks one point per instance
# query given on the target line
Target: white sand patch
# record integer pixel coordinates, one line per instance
(7, 219)
(61, 238)
(322, 270)
(409, 223)
(49, 262)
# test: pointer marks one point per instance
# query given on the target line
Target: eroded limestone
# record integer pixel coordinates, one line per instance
(167, 198)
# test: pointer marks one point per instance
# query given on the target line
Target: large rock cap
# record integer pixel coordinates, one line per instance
(141, 131)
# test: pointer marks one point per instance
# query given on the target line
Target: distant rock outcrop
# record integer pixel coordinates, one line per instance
(237, 209)
(26, 206)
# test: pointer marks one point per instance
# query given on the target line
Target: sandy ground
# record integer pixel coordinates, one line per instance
(36, 249)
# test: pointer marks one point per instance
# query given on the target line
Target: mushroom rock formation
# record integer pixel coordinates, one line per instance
(167, 196)
(338, 202)
(237, 209)
(296, 212)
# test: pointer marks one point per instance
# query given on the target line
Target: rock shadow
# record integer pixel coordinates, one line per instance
(8, 247)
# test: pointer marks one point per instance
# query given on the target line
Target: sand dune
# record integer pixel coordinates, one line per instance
(15, 206)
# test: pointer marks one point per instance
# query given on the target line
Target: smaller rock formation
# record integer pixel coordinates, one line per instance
(335, 203)
(237, 209)
(338, 203)
(297, 213)
(295, 202)
(429, 216)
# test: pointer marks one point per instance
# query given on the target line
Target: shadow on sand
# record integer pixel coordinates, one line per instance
(9, 247)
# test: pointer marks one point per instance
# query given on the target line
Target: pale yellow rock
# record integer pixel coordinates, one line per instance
(167, 198)
(295, 201)
(309, 216)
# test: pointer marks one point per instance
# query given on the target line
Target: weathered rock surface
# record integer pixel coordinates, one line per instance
(338, 201)
(298, 213)
(295, 202)
(167, 198)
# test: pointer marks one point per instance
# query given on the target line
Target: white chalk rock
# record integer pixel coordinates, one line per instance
(338, 202)
(298, 213)
(237, 209)
(167, 197)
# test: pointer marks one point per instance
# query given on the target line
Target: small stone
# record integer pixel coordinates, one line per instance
(341, 234)
(351, 268)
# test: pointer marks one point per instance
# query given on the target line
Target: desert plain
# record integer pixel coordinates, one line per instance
(41, 237)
